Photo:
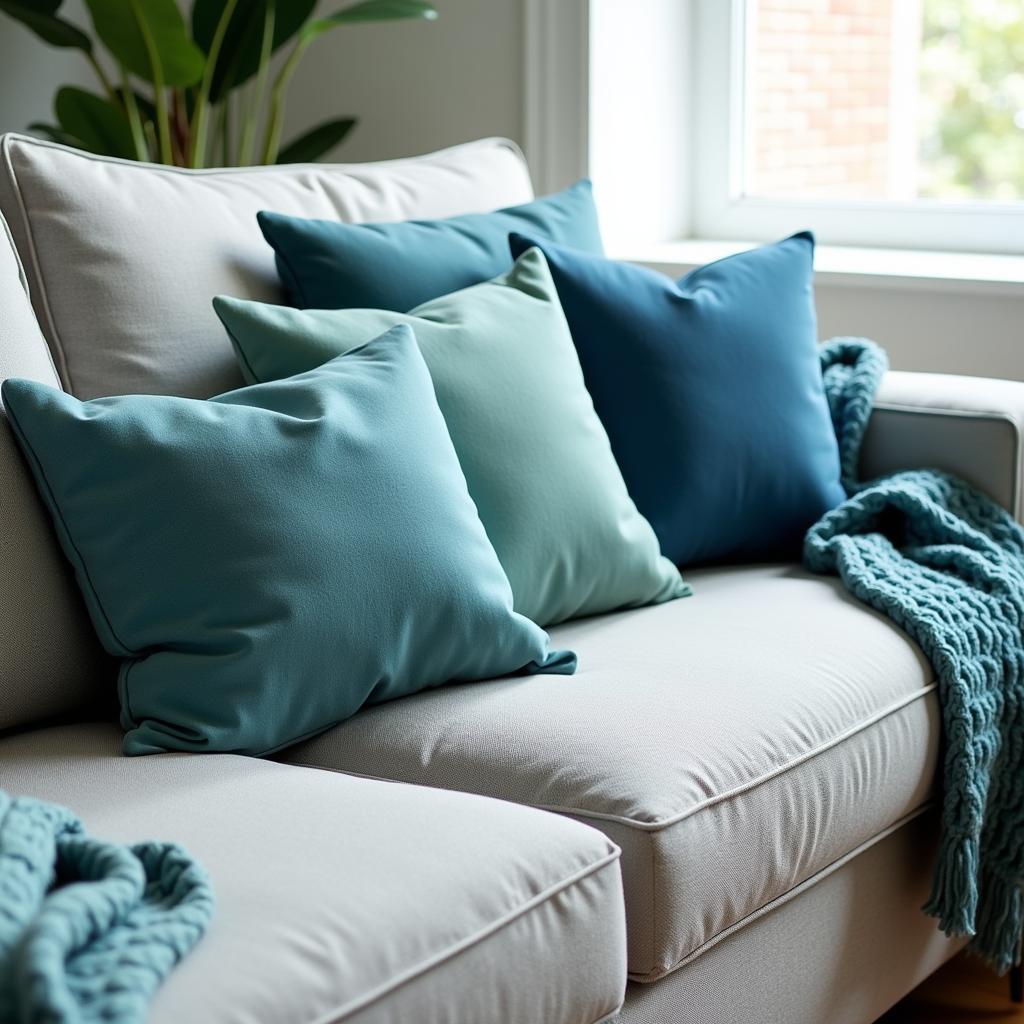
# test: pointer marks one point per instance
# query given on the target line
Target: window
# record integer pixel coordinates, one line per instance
(874, 122)
(885, 99)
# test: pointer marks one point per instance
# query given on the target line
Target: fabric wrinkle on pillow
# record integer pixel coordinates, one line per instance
(710, 389)
(268, 561)
(536, 457)
(326, 264)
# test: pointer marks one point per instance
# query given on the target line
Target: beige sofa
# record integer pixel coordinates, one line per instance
(727, 815)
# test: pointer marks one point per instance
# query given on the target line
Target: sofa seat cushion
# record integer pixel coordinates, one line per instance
(734, 745)
(344, 899)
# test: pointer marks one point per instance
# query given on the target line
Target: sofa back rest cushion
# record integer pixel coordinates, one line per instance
(124, 258)
(50, 659)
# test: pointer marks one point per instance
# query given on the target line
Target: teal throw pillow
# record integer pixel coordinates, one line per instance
(325, 264)
(536, 458)
(270, 560)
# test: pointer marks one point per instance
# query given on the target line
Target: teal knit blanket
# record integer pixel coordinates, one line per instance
(946, 564)
(88, 929)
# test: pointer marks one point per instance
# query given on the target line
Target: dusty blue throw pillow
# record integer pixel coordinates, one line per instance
(710, 389)
(325, 264)
(268, 561)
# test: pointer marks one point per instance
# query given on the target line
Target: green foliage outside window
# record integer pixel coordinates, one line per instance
(972, 100)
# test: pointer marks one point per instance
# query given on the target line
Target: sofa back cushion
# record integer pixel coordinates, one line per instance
(124, 258)
(50, 660)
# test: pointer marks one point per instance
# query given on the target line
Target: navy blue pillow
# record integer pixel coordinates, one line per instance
(325, 264)
(710, 390)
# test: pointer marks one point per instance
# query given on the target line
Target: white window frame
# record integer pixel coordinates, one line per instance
(697, 193)
(721, 209)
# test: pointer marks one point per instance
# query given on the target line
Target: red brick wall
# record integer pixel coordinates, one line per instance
(822, 72)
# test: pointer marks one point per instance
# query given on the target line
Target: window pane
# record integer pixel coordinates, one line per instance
(885, 99)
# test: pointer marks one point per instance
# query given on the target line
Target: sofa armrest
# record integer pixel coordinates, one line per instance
(969, 426)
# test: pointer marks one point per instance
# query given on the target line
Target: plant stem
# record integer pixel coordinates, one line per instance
(134, 120)
(108, 86)
(179, 128)
(163, 121)
(222, 131)
(201, 113)
(248, 144)
(275, 125)
(230, 113)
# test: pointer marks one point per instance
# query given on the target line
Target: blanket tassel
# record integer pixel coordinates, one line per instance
(954, 896)
(1000, 921)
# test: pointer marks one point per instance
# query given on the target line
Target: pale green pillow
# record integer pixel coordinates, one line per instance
(536, 458)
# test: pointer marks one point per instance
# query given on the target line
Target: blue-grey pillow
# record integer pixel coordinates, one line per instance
(270, 560)
(710, 390)
(329, 265)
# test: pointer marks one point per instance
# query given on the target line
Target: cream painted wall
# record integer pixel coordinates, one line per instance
(944, 330)
(30, 72)
(415, 86)
(418, 86)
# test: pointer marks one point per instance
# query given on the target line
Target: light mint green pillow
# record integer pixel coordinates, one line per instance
(536, 457)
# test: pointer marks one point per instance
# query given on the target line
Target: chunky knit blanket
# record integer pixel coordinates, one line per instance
(946, 564)
(88, 929)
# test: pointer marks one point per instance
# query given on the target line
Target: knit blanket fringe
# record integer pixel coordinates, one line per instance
(89, 929)
(946, 564)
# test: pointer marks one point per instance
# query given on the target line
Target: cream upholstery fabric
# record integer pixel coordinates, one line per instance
(734, 744)
(124, 258)
(50, 661)
(347, 900)
(842, 951)
(970, 426)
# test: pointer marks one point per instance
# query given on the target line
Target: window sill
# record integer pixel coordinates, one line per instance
(849, 267)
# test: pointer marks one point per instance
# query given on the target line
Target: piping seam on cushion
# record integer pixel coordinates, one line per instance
(352, 169)
(785, 897)
(411, 973)
(745, 787)
(662, 823)
(50, 332)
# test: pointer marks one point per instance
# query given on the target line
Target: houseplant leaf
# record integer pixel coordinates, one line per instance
(41, 18)
(149, 38)
(240, 52)
(99, 125)
(370, 10)
(55, 134)
(315, 143)
(144, 105)
(40, 6)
